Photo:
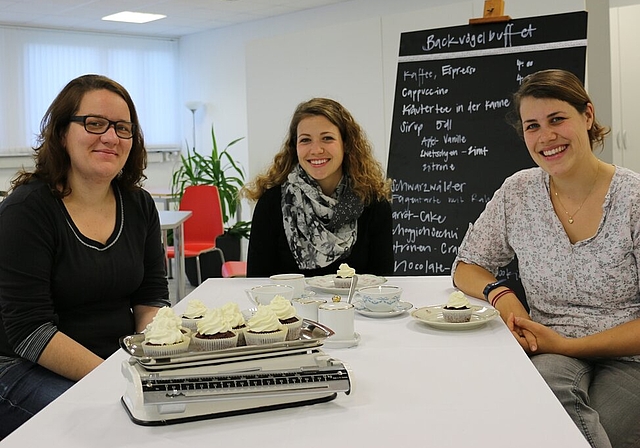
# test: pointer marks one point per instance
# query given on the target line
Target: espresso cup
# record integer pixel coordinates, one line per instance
(380, 298)
(295, 280)
(307, 308)
(339, 317)
(263, 294)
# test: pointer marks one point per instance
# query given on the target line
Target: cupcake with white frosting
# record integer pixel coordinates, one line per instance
(264, 327)
(214, 332)
(457, 309)
(344, 276)
(232, 313)
(164, 336)
(287, 316)
(194, 312)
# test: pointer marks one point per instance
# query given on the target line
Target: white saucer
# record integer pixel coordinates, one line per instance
(432, 315)
(401, 307)
(342, 343)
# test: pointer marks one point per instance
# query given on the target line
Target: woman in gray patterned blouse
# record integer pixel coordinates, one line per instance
(574, 225)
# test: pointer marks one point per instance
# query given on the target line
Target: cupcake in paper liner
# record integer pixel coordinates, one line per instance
(264, 327)
(287, 316)
(164, 336)
(214, 332)
(194, 312)
(458, 309)
(344, 276)
(232, 313)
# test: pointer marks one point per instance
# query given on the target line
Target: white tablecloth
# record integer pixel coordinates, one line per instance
(414, 385)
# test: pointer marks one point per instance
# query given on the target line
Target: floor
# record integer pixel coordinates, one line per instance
(172, 289)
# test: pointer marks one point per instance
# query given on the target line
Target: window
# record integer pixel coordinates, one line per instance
(38, 63)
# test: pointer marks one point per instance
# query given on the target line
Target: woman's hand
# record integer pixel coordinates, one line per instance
(534, 337)
(510, 306)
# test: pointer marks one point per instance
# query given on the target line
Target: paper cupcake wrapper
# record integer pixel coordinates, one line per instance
(166, 350)
(215, 344)
(340, 282)
(241, 339)
(191, 324)
(456, 316)
(294, 329)
(265, 338)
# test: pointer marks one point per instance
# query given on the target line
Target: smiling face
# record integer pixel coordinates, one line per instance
(320, 151)
(98, 158)
(556, 134)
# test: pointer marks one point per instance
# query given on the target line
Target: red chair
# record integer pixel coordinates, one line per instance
(234, 269)
(204, 225)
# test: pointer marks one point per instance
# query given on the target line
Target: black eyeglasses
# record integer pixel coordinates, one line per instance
(100, 125)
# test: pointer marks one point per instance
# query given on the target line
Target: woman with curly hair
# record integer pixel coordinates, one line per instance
(81, 258)
(323, 201)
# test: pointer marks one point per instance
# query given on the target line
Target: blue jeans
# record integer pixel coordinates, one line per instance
(25, 388)
(601, 396)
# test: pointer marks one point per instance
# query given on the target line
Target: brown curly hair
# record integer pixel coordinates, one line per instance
(51, 158)
(366, 175)
(559, 85)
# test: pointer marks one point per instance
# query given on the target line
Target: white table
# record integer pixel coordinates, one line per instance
(174, 220)
(164, 196)
(413, 386)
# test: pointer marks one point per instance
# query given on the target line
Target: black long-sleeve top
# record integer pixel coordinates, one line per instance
(269, 251)
(52, 278)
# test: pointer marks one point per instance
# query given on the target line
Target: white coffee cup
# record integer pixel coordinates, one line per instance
(381, 298)
(339, 317)
(263, 294)
(307, 308)
(295, 280)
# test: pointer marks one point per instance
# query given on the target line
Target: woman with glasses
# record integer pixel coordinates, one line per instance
(81, 258)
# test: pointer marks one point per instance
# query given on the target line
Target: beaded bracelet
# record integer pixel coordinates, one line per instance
(499, 296)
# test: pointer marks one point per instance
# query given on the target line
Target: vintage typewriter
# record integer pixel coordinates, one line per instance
(200, 385)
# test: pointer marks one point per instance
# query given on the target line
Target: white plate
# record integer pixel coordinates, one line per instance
(324, 283)
(432, 315)
(400, 308)
(342, 343)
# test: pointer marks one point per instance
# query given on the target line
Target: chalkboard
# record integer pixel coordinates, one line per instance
(451, 146)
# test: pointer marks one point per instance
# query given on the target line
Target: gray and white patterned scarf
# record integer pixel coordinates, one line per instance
(320, 229)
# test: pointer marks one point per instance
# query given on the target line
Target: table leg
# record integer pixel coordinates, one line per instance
(178, 238)
(167, 262)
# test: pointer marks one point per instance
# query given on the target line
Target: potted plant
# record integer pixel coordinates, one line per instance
(220, 169)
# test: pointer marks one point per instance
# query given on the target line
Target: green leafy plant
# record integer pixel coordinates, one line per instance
(217, 168)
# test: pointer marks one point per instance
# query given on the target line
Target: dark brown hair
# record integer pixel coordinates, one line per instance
(560, 85)
(51, 158)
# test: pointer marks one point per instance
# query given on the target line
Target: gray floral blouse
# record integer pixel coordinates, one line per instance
(576, 289)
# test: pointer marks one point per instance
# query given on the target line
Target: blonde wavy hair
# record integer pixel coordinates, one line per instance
(367, 178)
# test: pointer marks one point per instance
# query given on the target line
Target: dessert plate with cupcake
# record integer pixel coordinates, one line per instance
(340, 282)
(456, 314)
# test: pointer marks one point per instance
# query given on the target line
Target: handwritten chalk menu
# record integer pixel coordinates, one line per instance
(451, 146)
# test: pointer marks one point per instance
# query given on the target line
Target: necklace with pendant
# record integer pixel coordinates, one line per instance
(571, 215)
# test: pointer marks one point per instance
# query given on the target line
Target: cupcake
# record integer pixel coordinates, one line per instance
(344, 276)
(264, 327)
(164, 336)
(287, 316)
(233, 315)
(457, 309)
(214, 332)
(194, 312)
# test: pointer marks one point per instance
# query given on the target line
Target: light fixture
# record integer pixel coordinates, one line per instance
(133, 17)
(193, 106)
